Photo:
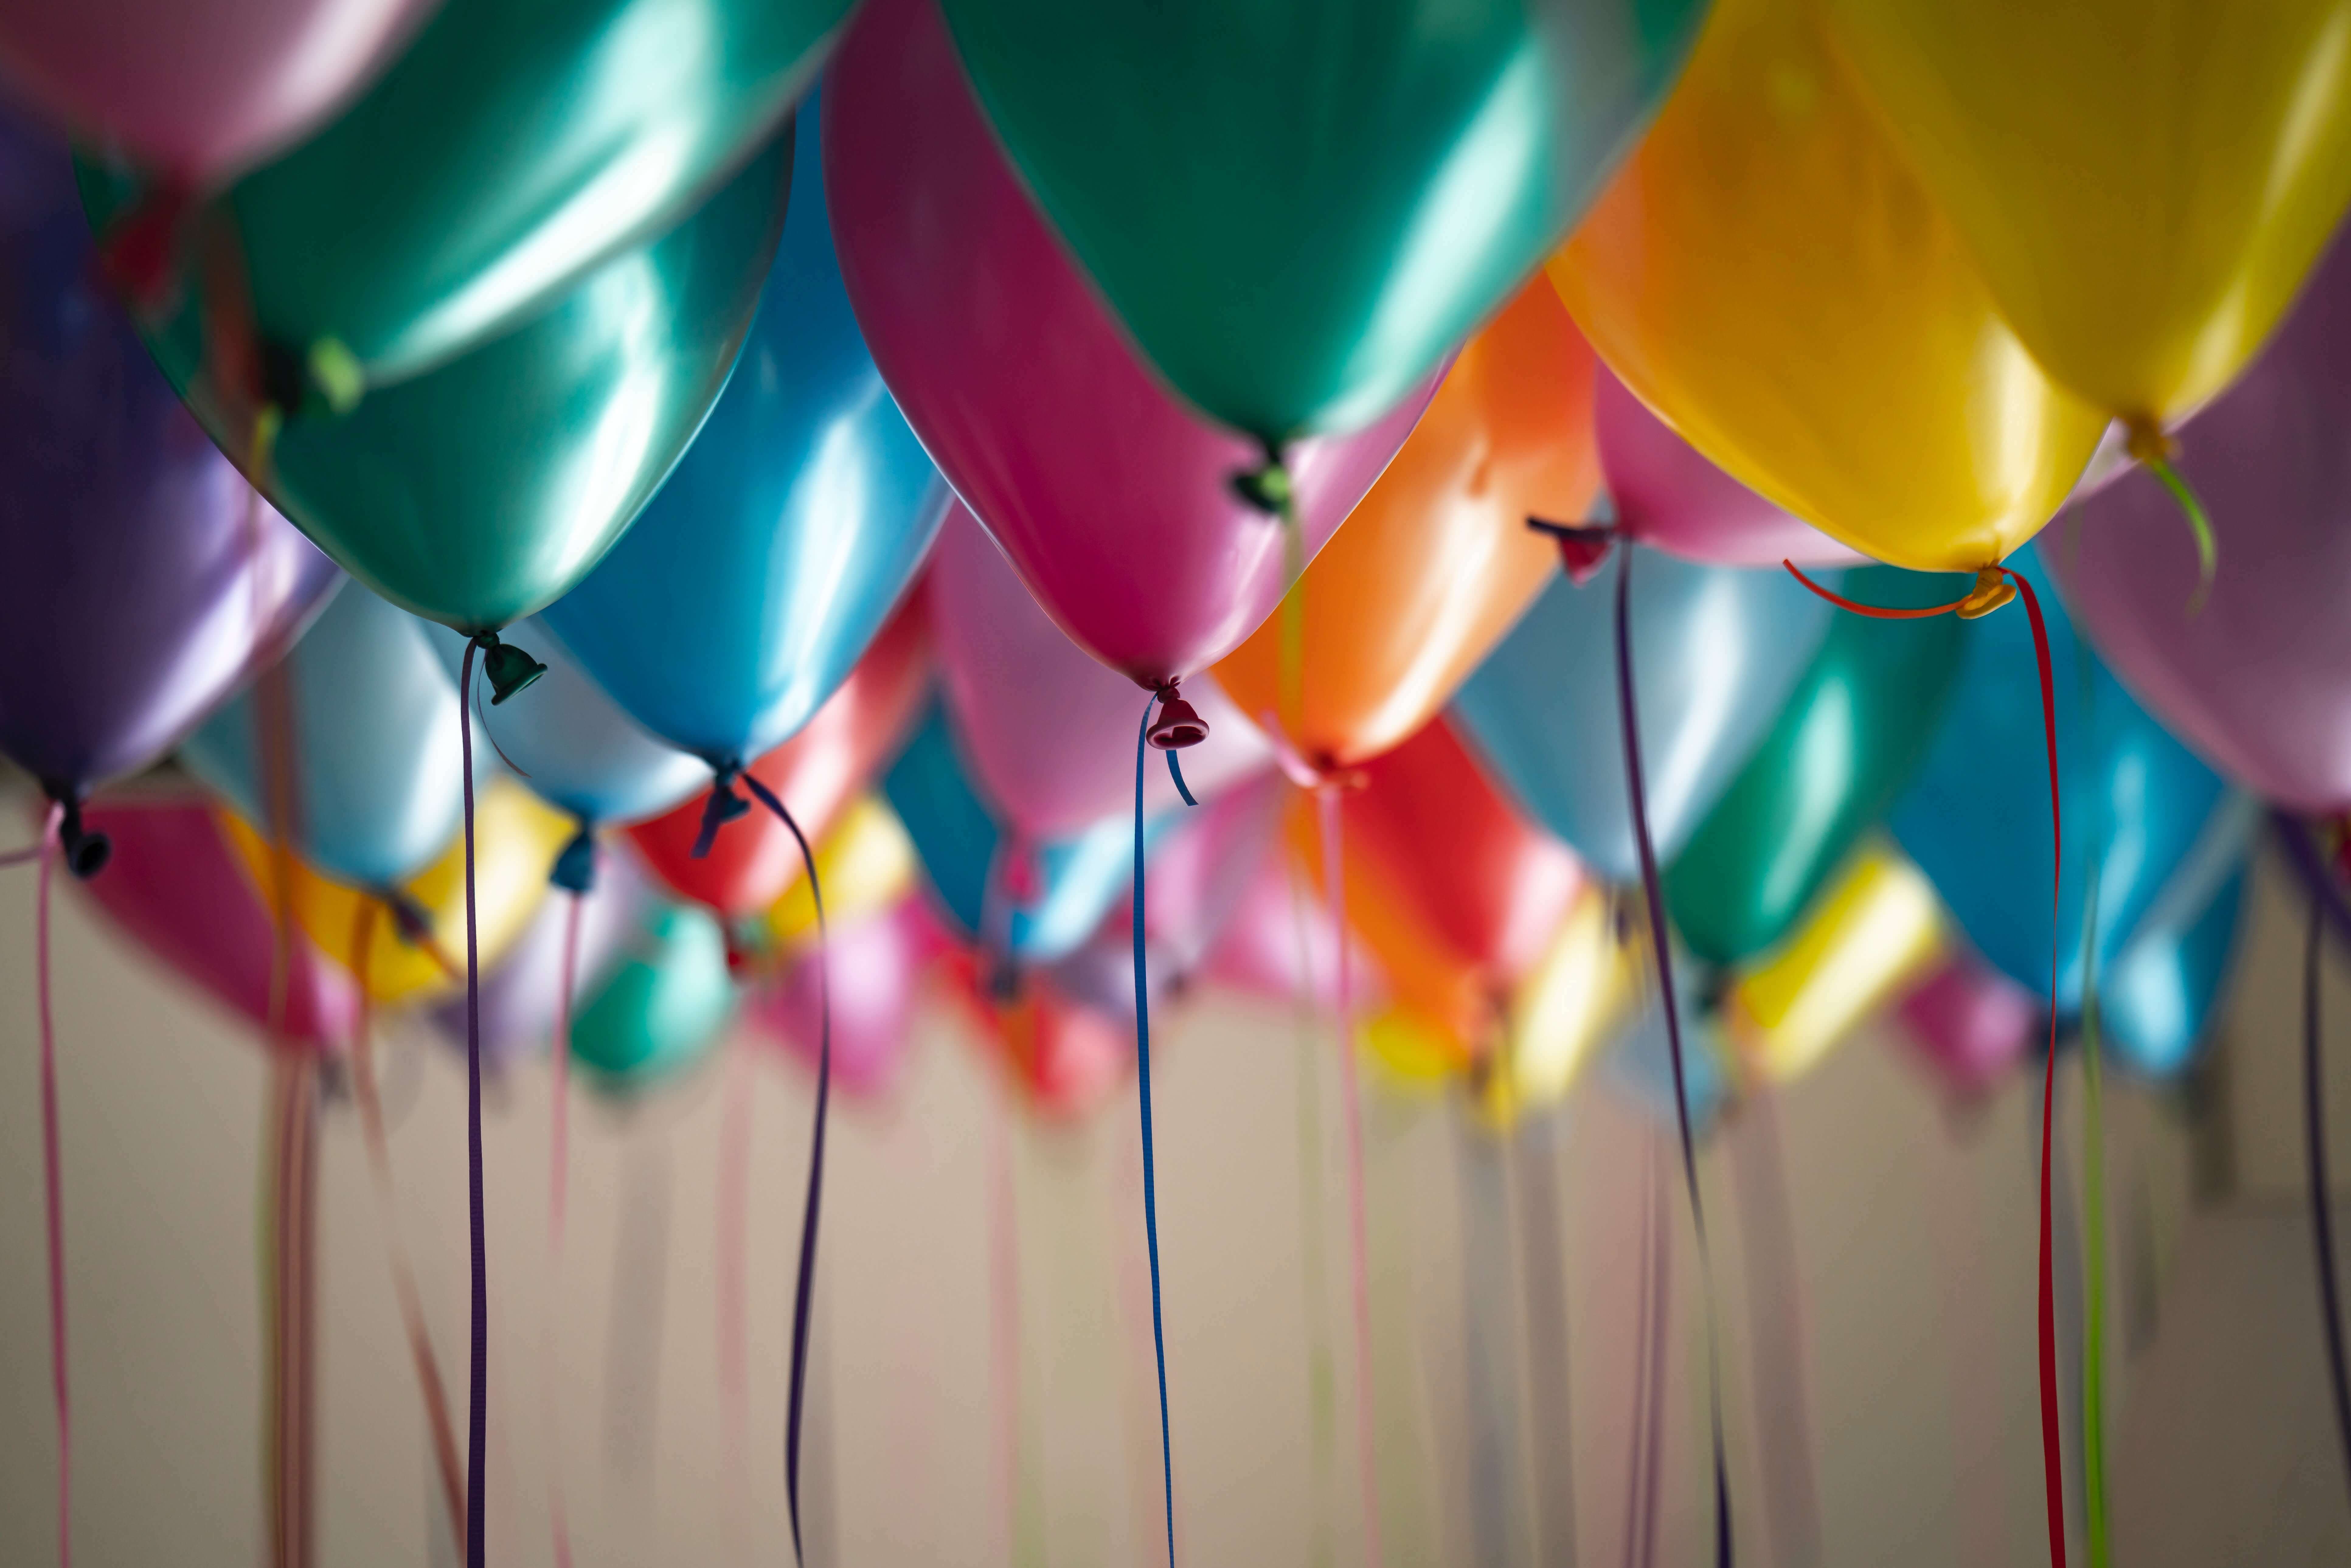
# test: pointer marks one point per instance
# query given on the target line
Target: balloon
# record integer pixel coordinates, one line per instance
(875, 967)
(775, 552)
(1108, 494)
(1714, 654)
(866, 865)
(1050, 732)
(1976, 819)
(815, 774)
(1767, 275)
(2142, 183)
(1564, 1012)
(478, 493)
(201, 90)
(1876, 930)
(1033, 906)
(180, 892)
(1437, 561)
(2157, 998)
(572, 744)
(1280, 944)
(1299, 208)
(1971, 1023)
(2259, 680)
(1666, 495)
(663, 1008)
(512, 149)
(142, 580)
(374, 755)
(516, 841)
(1064, 1057)
(1641, 1058)
(1851, 735)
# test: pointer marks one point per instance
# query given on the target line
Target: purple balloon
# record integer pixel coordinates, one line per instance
(141, 580)
(2259, 681)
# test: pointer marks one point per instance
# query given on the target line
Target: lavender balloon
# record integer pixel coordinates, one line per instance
(141, 582)
(2259, 680)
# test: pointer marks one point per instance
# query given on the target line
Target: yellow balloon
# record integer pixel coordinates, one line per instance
(1562, 1013)
(866, 865)
(1767, 274)
(1880, 927)
(2144, 184)
(1409, 1051)
(516, 841)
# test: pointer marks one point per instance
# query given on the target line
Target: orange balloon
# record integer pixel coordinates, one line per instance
(1436, 562)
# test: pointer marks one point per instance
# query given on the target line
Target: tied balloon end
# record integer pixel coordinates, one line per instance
(85, 849)
(575, 867)
(2158, 455)
(1582, 547)
(1992, 589)
(408, 916)
(720, 807)
(1268, 487)
(506, 668)
(1179, 725)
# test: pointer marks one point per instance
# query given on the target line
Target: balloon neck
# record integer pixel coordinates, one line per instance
(85, 851)
(1178, 724)
(1582, 547)
(575, 868)
(508, 668)
(408, 916)
(720, 807)
(1992, 591)
(1268, 487)
(2147, 442)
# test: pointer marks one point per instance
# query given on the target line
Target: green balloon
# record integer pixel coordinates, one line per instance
(510, 148)
(663, 1008)
(480, 492)
(1849, 738)
(1299, 208)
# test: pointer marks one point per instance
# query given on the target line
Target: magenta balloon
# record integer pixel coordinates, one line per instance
(875, 967)
(199, 88)
(2259, 681)
(176, 887)
(1049, 732)
(1112, 498)
(1279, 946)
(1971, 1023)
(1670, 496)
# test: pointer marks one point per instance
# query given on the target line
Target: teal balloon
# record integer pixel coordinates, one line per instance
(664, 1007)
(513, 147)
(2156, 999)
(755, 581)
(1851, 732)
(479, 492)
(378, 768)
(1299, 208)
(957, 838)
(1975, 817)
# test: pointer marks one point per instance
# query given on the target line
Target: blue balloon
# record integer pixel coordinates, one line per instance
(1976, 819)
(572, 744)
(2156, 999)
(377, 764)
(751, 583)
(1716, 651)
(1641, 1057)
(957, 838)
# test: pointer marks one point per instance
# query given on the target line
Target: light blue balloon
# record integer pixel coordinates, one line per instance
(378, 762)
(752, 582)
(1975, 817)
(958, 837)
(2155, 1001)
(1716, 651)
(572, 744)
(1641, 1058)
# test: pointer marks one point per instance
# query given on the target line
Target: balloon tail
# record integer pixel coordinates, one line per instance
(1629, 716)
(2322, 1222)
(478, 1405)
(52, 1182)
(1150, 1171)
(803, 1290)
(293, 1179)
(559, 1188)
(1327, 809)
(1582, 547)
(2156, 454)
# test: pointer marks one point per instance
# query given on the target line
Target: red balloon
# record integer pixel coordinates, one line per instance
(816, 773)
(181, 892)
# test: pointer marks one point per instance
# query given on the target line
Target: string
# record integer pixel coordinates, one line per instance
(1149, 1177)
(2094, 1192)
(404, 1272)
(1661, 1317)
(2154, 451)
(1875, 612)
(1004, 1262)
(1319, 1371)
(1641, 1326)
(1628, 714)
(478, 1409)
(734, 1219)
(53, 1205)
(558, 1184)
(24, 856)
(2322, 1221)
(1326, 801)
(292, 1175)
(804, 1288)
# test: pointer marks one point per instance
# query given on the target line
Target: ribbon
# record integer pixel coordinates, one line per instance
(733, 1223)
(1627, 712)
(1319, 1376)
(53, 1204)
(1150, 1174)
(293, 1179)
(558, 1184)
(478, 1399)
(2322, 1221)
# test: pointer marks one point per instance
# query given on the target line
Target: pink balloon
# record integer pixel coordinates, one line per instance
(1112, 498)
(1971, 1023)
(1670, 496)
(1281, 947)
(2259, 680)
(200, 88)
(1049, 732)
(175, 886)
(875, 967)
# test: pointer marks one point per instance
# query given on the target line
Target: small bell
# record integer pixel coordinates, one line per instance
(508, 668)
(1178, 726)
(720, 807)
(86, 852)
(1992, 591)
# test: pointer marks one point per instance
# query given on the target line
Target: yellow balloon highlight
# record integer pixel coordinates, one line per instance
(1563, 1013)
(1408, 1051)
(1767, 275)
(516, 841)
(2144, 184)
(1880, 927)
(866, 864)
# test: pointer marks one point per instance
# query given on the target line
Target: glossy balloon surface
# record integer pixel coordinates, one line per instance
(663, 1008)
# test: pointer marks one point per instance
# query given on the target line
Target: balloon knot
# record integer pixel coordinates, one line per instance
(508, 668)
(1179, 725)
(1992, 591)
(85, 851)
(408, 916)
(2148, 443)
(575, 868)
(1582, 547)
(1268, 487)
(720, 807)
